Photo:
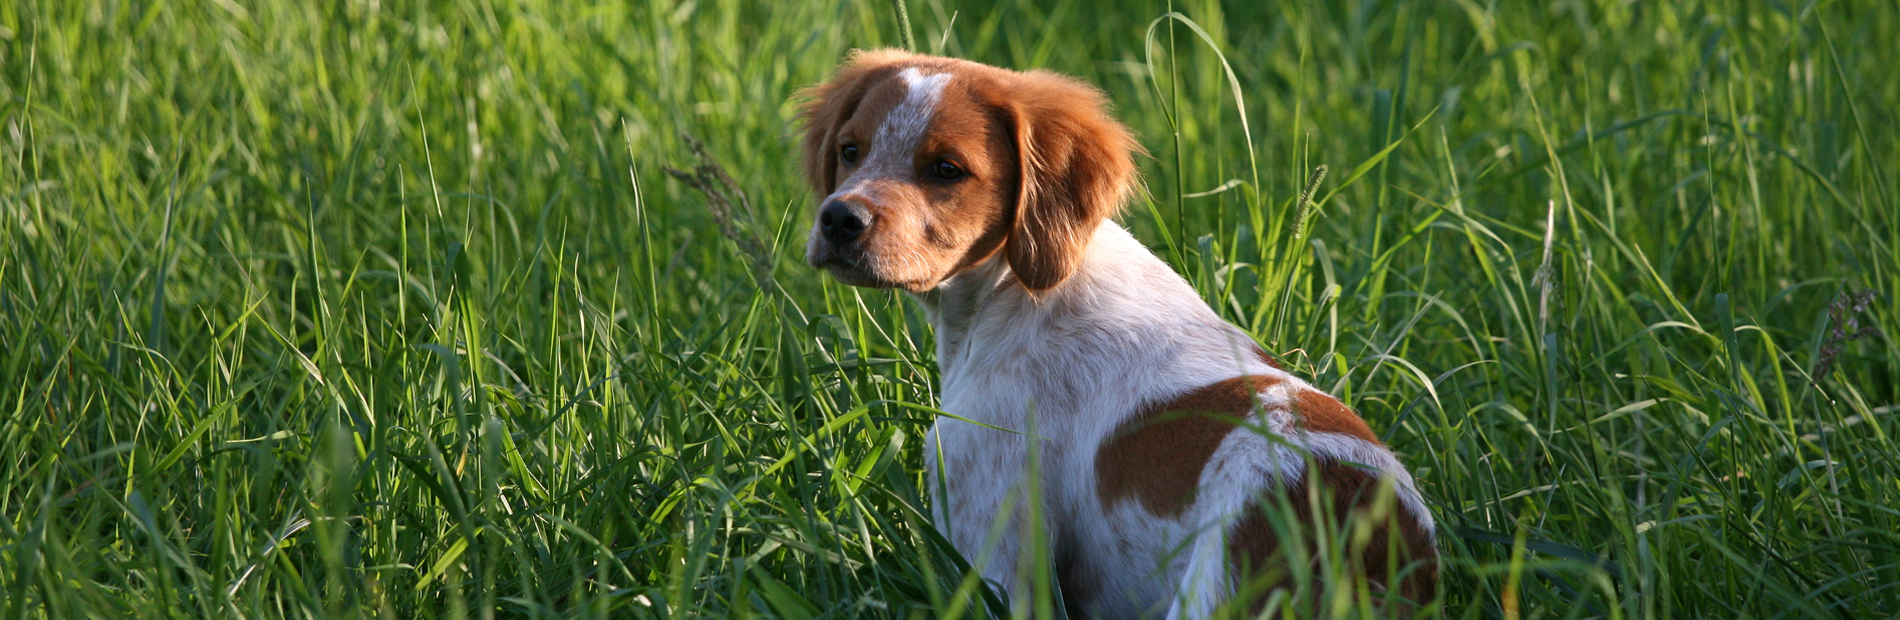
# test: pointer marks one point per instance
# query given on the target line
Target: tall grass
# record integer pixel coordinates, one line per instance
(385, 308)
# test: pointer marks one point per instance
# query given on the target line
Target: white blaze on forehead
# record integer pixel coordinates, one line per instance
(905, 124)
(901, 133)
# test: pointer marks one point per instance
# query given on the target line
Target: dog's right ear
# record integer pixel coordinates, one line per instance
(829, 105)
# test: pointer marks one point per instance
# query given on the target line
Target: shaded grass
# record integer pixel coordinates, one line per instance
(387, 309)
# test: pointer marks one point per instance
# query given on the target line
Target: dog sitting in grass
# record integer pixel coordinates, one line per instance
(1179, 470)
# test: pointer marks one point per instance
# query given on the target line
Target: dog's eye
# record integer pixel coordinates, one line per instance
(946, 169)
(848, 153)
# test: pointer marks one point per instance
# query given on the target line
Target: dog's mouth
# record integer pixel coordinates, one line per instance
(856, 269)
(849, 268)
(856, 276)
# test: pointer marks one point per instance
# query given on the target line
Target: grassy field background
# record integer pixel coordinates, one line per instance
(384, 308)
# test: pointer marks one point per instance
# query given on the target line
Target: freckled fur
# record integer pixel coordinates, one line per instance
(1051, 319)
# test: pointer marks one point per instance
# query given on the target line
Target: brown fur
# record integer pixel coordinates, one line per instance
(1322, 413)
(1158, 454)
(1254, 547)
(981, 216)
(1076, 171)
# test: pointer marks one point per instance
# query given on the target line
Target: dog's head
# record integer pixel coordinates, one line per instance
(927, 166)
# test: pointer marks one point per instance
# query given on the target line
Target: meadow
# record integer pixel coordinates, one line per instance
(391, 308)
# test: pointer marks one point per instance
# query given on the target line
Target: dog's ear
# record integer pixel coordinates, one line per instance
(1076, 170)
(830, 104)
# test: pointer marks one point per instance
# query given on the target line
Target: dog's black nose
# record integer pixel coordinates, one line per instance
(842, 222)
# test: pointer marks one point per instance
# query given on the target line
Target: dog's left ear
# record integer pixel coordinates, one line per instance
(1076, 170)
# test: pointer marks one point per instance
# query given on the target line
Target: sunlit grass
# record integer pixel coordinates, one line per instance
(388, 309)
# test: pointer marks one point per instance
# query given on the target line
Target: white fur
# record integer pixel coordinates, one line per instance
(1123, 331)
(905, 125)
(899, 136)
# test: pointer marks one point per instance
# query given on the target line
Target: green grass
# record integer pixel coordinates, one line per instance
(385, 308)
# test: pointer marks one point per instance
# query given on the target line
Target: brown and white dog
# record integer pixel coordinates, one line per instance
(1167, 434)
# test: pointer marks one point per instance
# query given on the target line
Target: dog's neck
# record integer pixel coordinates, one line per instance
(954, 305)
(981, 303)
(1119, 286)
(1123, 326)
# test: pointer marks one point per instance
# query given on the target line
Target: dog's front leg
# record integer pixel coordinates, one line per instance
(978, 478)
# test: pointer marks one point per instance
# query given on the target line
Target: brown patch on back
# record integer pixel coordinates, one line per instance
(1158, 454)
(1253, 547)
(1324, 414)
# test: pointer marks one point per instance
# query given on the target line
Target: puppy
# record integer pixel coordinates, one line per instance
(1166, 436)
